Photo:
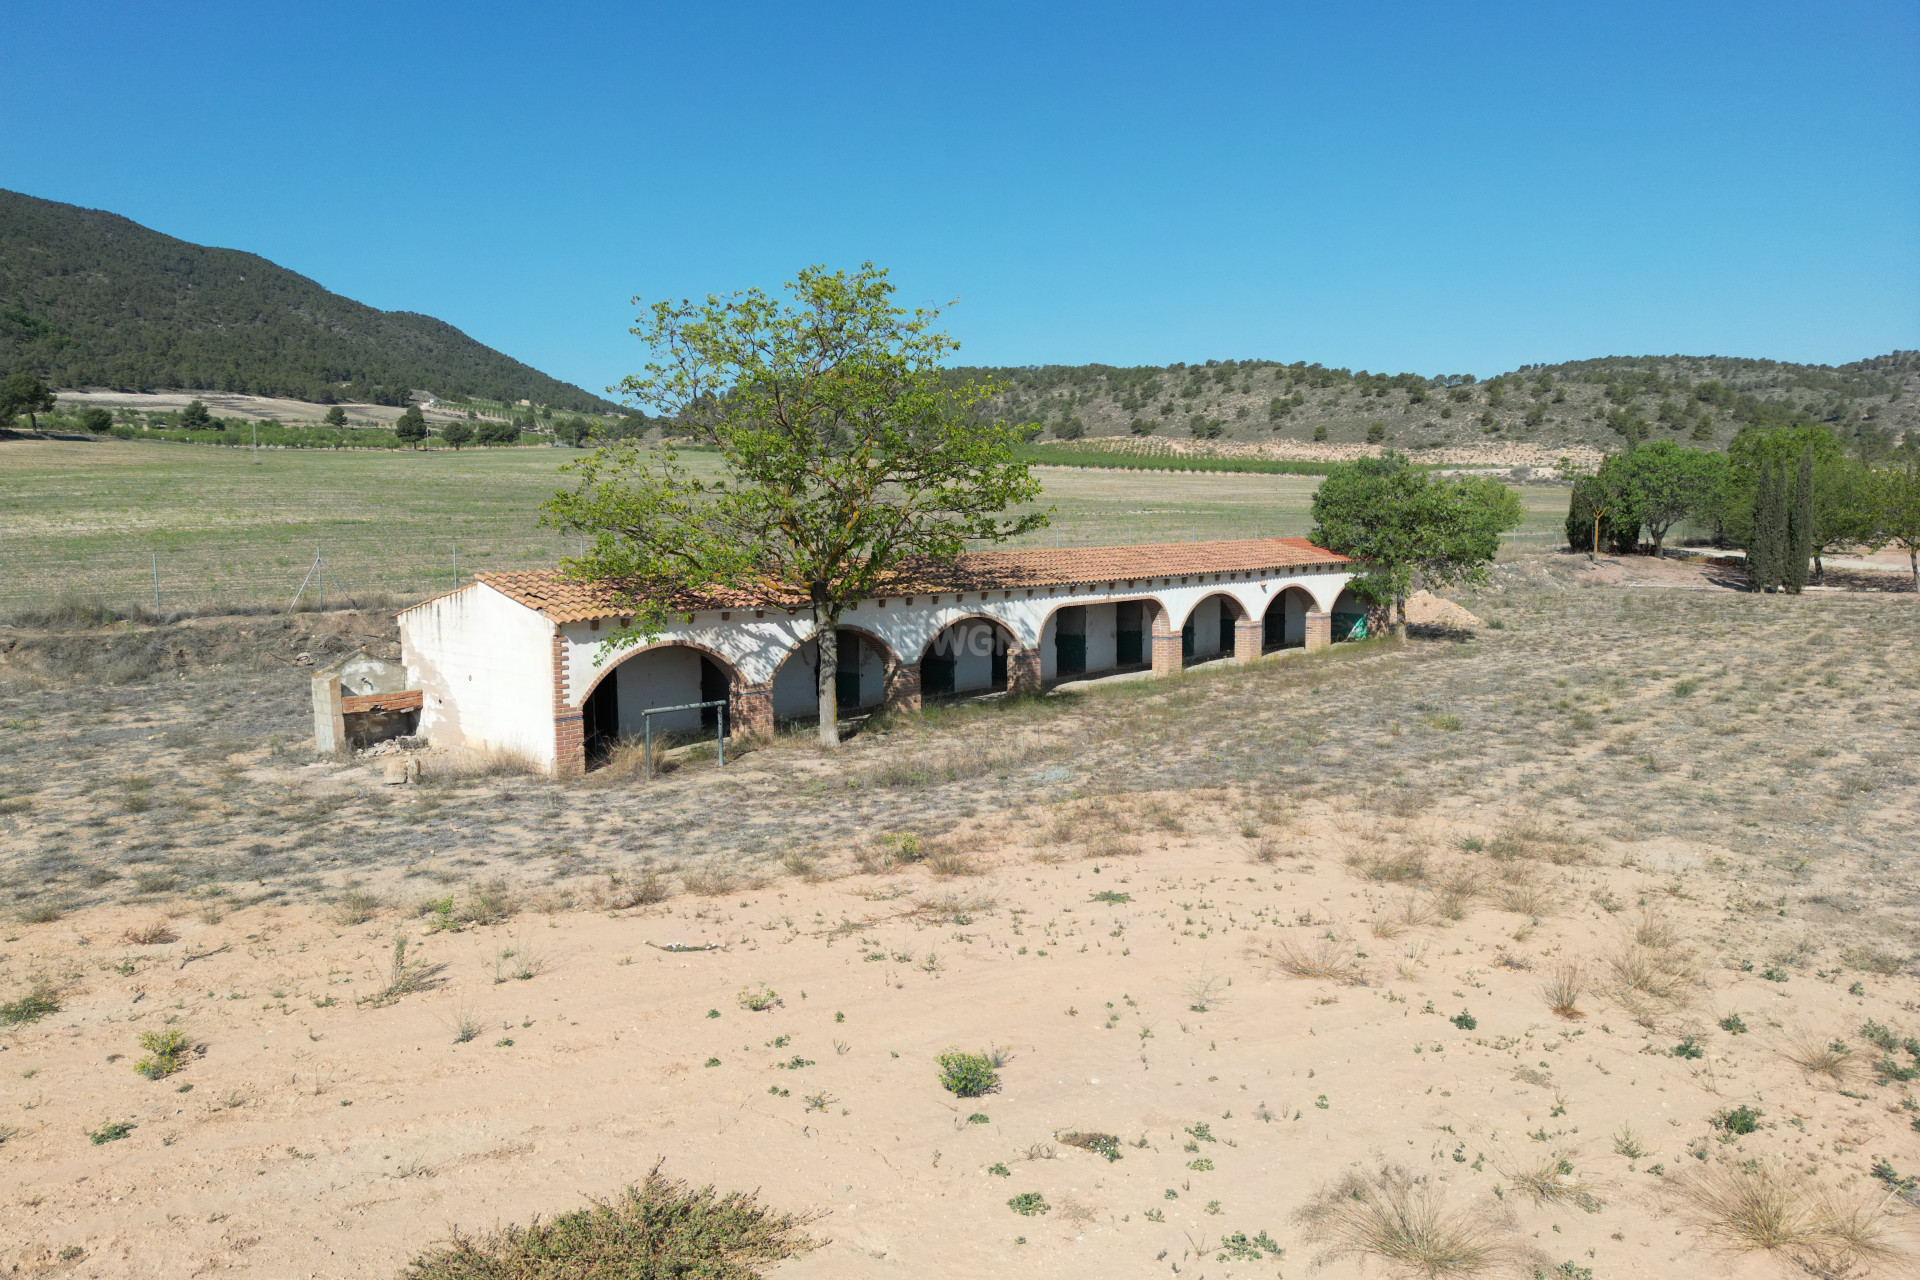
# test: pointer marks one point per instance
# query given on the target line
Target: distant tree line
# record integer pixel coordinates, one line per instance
(1788, 495)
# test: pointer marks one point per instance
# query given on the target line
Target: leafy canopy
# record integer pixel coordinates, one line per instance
(844, 454)
(1401, 522)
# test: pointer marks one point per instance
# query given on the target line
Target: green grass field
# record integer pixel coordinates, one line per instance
(84, 521)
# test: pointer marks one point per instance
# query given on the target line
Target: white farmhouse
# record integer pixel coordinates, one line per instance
(516, 661)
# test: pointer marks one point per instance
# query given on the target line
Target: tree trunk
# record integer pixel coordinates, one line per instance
(1913, 558)
(826, 631)
(1398, 616)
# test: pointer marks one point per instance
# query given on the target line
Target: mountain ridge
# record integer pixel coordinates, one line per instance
(89, 298)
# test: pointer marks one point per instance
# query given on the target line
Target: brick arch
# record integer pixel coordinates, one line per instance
(1023, 661)
(1274, 631)
(1241, 612)
(726, 665)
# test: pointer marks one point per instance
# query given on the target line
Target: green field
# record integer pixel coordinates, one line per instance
(85, 520)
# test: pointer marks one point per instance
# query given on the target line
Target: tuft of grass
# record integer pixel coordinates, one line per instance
(404, 977)
(660, 1228)
(167, 1052)
(356, 906)
(1550, 1179)
(1327, 957)
(1660, 974)
(1627, 1143)
(1764, 1205)
(31, 1007)
(1405, 1222)
(152, 934)
(709, 882)
(970, 1075)
(465, 1026)
(1564, 987)
(1817, 1055)
(1101, 1144)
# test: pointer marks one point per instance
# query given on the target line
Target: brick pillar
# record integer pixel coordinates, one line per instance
(750, 712)
(1166, 646)
(329, 715)
(1249, 636)
(1023, 670)
(903, 687)
(1319, 630)
(569, 736)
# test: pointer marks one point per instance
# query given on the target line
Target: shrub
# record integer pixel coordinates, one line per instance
(1405, 1222)
(661, 1228)
(153, 934)
(112, 1131)
(1101, 1144)
(1740, 1119)
(1028, 1204)
(31, 1007)
(970, 1075)
(167, 1052)
(758, 997)
(1767, 1206)
(1464, 1020)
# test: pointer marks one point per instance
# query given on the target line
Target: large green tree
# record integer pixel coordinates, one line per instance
(1664, 483)
(411, 426)
(1896, 492)
(1406, 526)
(845, 454)
(23, 393)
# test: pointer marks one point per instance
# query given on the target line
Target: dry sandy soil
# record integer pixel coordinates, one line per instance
(1700, 804)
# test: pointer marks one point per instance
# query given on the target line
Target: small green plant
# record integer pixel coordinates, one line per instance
(1740, 1119)
(1689, 1047)
(1029, 1204)
(1202, 1165)
(167, 1052)
(1101, 1144)
(713, 1013)
(756, 998)
(1111, 896)
(112, 1131)
(1154, 1215)
(31, 1007)
(1464, 1020)
(1733, 1024)
(978, 1118)
(1774, 973)
(1202, 1132)
(1885, 1172)
(1627, 1143)
(999, 1170)
(970, 1075)
(795, 1063)
(505, 1042)
(1239, 1248)
(713, 1062)
(1565, 1271)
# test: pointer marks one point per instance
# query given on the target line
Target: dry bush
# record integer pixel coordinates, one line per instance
(1664, 975)
(1768, 1206)
(1412, 956)
(1162, 816)
(1534, 842)
(1390, 866)
(1406, 1222)
(1817, 1055)
(1525, 897)
(471, 763)
(710, 882)
(641, 888)
(1110, 844)
(152, 934)
(356, 906)
(1328, 957)
(1549, 1178)
(1872, 959)
(1269, 851)
(1453, 896)
(946, 859)
(1564, 987)
(953, 908)
(1656, 930)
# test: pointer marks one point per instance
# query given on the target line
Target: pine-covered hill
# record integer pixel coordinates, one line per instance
(1700, 400)
(91, 299)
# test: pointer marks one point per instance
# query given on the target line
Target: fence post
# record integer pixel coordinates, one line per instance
(156, 586)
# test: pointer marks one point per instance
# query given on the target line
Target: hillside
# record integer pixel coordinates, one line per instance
(1702, 400)
(91, 299)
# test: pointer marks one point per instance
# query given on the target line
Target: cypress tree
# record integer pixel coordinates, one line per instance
(1764, 549)
(1799, 539)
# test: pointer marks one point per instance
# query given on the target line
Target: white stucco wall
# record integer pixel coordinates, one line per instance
(484, 666)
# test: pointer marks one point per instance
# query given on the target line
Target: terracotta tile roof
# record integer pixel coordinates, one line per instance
(564, 601)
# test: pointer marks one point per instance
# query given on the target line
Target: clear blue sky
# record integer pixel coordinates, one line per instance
(1397, 187)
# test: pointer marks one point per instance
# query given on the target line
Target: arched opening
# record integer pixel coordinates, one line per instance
(968, 656)
(1208, 631)
(1097, 639)
(1284, 625)
(668, 675)
(860, 676)
(1349, 617)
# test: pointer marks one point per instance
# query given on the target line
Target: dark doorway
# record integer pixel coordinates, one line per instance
(600, 718)
(1186, 640)
(1070, 641)
(1129, 636)
(714, 687)
(846, 671)
(936, 673)
(998, 675)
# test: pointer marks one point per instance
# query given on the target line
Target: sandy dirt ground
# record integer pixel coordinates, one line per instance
(320, 1132)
